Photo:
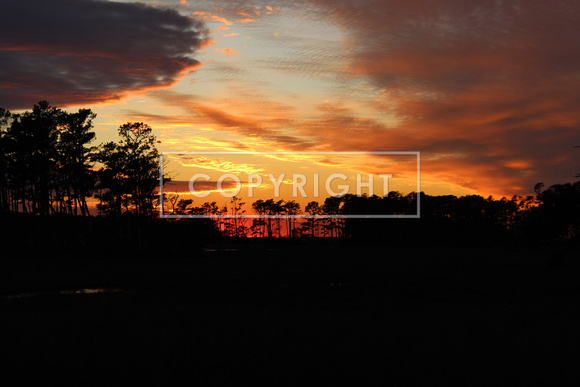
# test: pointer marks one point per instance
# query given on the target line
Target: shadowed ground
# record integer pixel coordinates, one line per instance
(286, 314)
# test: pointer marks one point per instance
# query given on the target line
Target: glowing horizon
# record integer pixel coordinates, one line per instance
(291, 181)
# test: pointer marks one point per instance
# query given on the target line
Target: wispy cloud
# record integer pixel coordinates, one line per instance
(210, 16)
(267, 130)
(218, 164)
(181, 187)
(227, 51)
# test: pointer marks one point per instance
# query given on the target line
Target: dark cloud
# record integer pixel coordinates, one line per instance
(73, 52)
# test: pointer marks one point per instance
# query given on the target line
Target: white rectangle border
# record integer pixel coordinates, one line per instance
(302, 216)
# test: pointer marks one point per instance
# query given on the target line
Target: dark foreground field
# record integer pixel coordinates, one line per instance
(283, 315)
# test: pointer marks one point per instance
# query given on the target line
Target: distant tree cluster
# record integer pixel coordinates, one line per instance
(558, 213)
(553, 213)
(48, 164)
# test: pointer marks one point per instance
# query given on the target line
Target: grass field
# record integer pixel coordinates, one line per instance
(286, 315)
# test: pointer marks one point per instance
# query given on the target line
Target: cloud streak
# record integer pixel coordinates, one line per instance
(267, 130)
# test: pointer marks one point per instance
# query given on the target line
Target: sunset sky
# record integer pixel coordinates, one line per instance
(488, 91)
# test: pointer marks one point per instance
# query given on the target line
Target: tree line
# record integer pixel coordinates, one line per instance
(51, 166)
(553, 213)
(48, 164)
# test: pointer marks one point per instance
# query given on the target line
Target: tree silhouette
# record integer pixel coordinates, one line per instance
(291, 209)
(111, 186)
(5, 161)
(577, 146)
(183, 205)
(313, 208)
(32, 146)
(332, 206)
(237, 225)
(558, 215)
(259, 224)
(130, 172)
(77, 179)
(46, 160)
(173, 198)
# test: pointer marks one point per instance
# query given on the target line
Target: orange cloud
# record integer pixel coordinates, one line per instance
(218, 164)
(182, 187)
(265, 130)
(211, 16)
(482, 88)
(227, 51)
(222, 20)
